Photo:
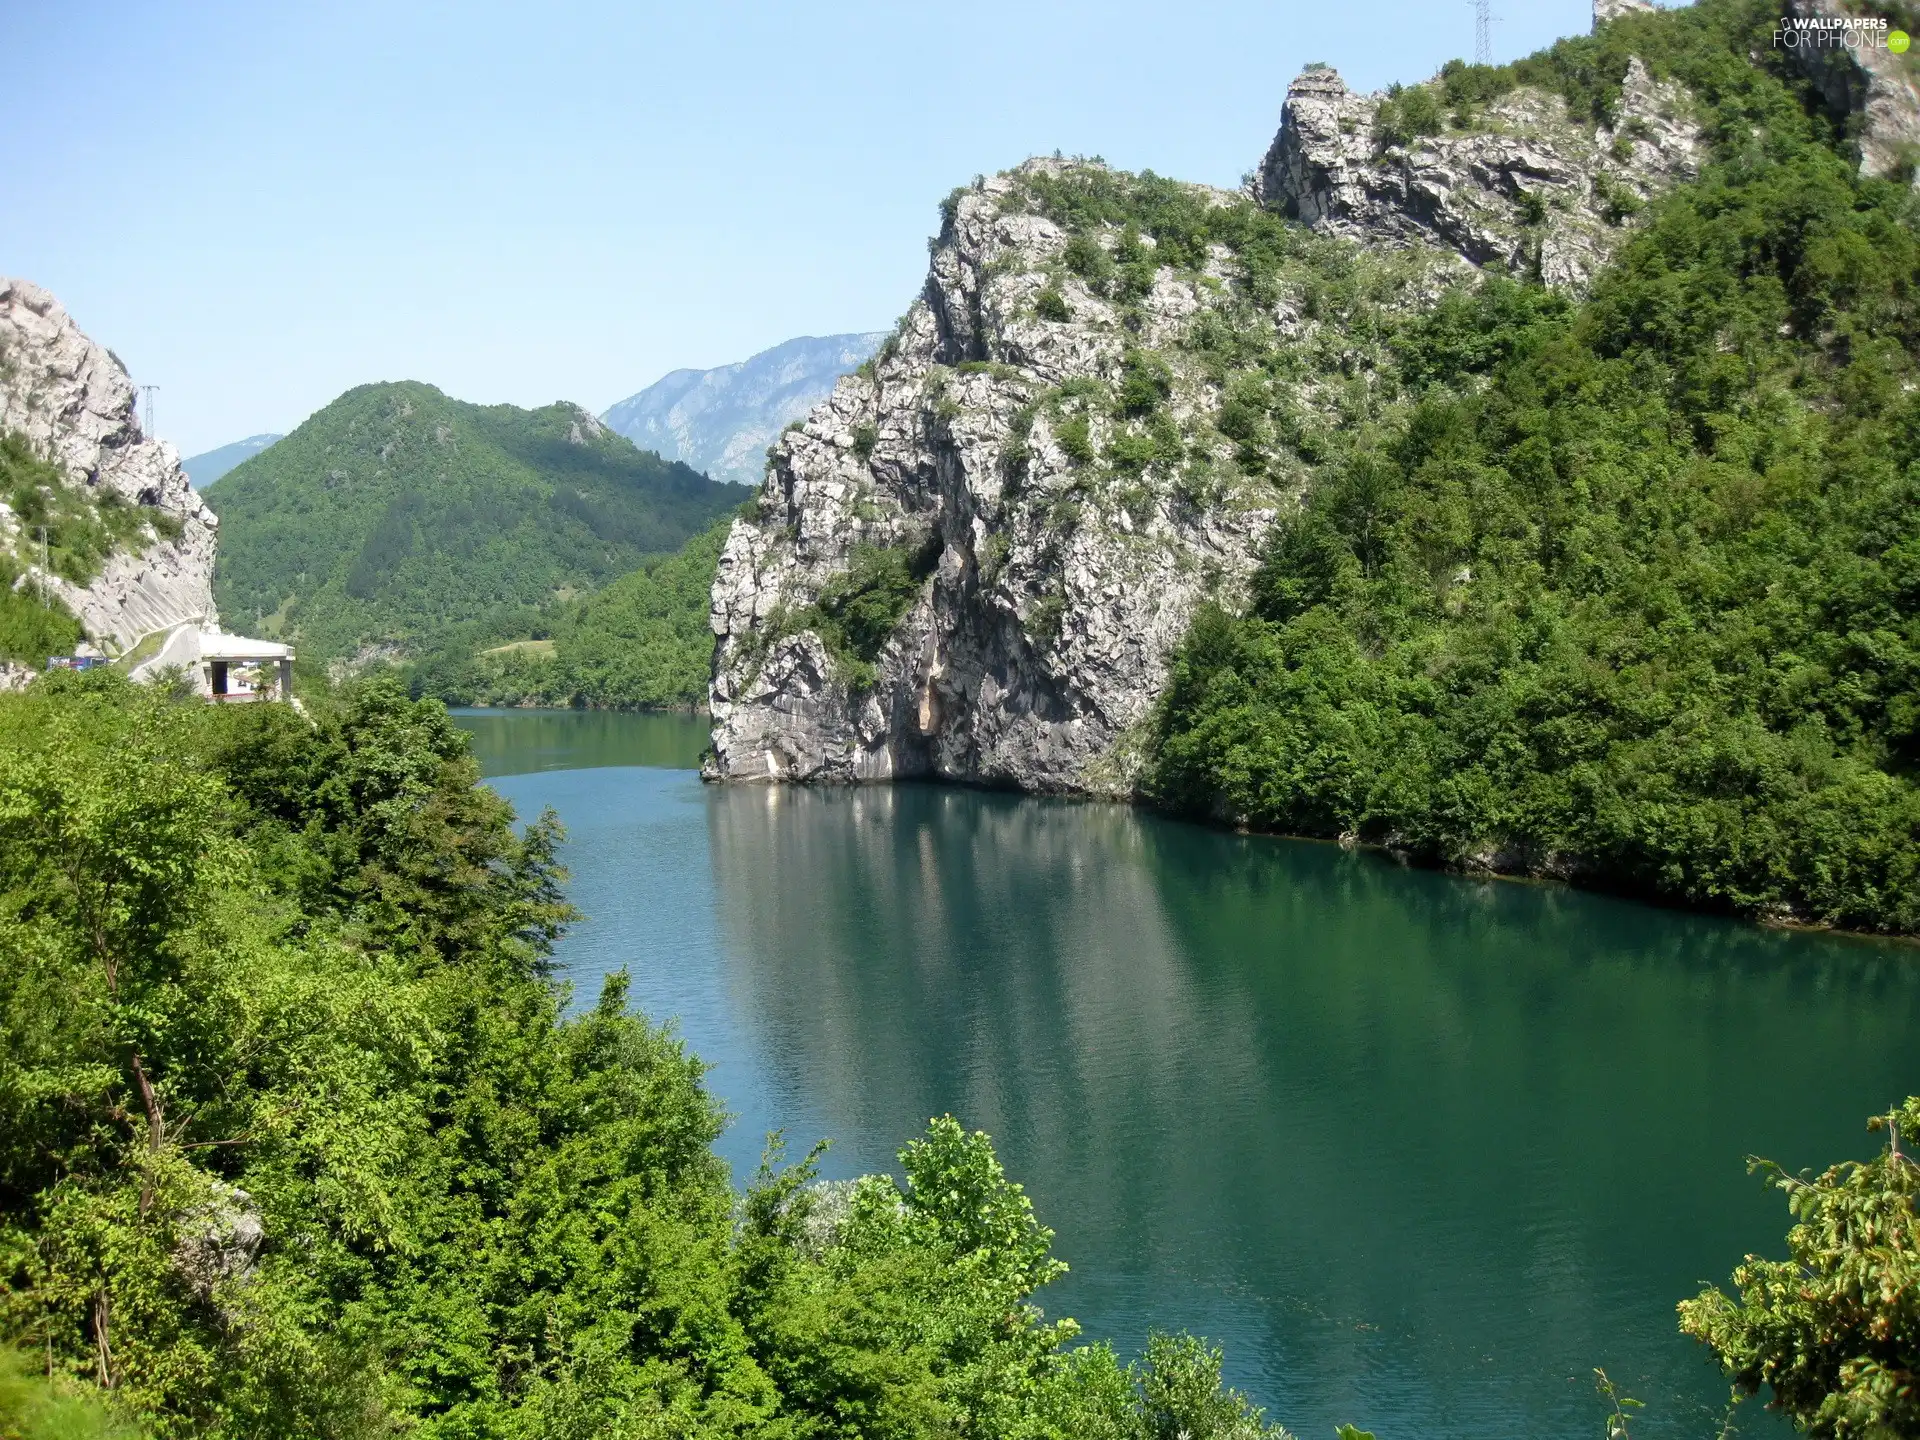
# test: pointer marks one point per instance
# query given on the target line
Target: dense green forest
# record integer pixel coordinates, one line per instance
(397, 515)
(296, 1138)
(1626, 590)
(641, 643)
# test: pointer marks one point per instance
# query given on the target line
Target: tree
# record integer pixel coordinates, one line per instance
(1835, 1329)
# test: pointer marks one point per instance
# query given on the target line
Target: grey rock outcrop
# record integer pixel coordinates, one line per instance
(1866, 86)
(218, 1242)
(1053, 583)
(1035, 643)
(1527, 189)
(73, 401)
(1605, 10)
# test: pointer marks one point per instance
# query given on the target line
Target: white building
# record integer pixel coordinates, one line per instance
(223, 667)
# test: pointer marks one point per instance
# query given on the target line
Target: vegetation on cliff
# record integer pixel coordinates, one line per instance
(58, 526)
(298, 1139)
(397, 515)
(1627, 590)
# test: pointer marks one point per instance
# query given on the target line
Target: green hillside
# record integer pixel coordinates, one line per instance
(641, 643)
(396, 515)
(1627, 590)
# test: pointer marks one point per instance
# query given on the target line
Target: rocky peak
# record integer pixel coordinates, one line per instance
(1605, 10)
(1048, 539)
(75, 404)
(1524, 188)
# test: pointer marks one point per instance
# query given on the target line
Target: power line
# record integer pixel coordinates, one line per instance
(1483, 18)
(148, 390)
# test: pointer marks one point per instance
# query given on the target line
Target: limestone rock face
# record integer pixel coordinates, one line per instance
(1053, 583)
(1605, 10)
(218, 1241)
(1528, 189)
(1039, 634)
(76, 405)
(1864, 85)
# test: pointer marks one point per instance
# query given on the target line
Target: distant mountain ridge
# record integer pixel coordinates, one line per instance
(397, 514)
(721, 421)
(206, 468)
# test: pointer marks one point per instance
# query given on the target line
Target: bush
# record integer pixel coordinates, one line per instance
(1833, 1331)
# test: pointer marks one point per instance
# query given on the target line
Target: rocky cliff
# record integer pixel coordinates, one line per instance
(973, 561)
(1527, 188)
(74, 403)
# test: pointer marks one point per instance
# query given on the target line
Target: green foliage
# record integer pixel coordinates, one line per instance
(1707, 47)
(1835, 1330)
(397, 514)
(32, 629)
(858, 610)
(642, 643)
(1406, 113)
(1052, 305)
(74, 527)
(1627, 591)
(254, 965)
(1076, 439)
(1145, 384)
(34, 1406)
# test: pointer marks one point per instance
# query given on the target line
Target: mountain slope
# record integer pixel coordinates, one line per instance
(721, 421)
(206, 468)
(1610, 576)
(396, 514)
(127, 545)
(641, 643)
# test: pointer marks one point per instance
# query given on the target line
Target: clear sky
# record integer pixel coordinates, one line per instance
(260, 205)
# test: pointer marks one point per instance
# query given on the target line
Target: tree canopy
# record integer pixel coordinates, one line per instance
(298, 1139)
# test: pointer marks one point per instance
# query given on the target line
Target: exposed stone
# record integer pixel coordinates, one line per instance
(1866, 86)
(1054, 595)
(1605, 10)
(1036, 643)
(219, 1241)
(1528, 189)
(75, 404)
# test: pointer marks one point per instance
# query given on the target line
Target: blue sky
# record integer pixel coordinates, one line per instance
(259, 206)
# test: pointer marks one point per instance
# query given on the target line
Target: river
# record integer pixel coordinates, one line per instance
(1419, 1151)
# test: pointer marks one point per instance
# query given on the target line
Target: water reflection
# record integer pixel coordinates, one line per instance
(517, 742)
(1421, 1151)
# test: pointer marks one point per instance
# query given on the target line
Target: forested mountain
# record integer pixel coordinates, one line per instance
(397, 514)
(642, 642)
(208, 466)
(721, 421)
(1523, 478)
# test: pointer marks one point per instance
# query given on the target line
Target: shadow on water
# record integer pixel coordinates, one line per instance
(1420, 1151)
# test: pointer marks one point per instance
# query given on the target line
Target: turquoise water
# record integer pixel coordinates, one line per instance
(1419, 1151)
